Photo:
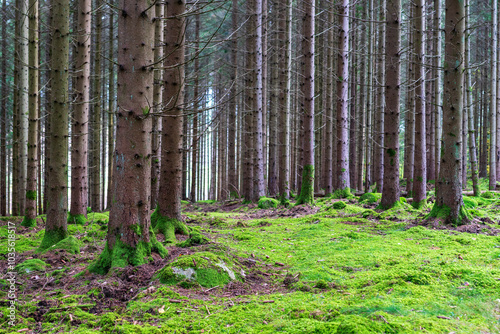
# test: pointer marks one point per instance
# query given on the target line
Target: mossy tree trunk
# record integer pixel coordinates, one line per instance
(284, 62)
(130, 239)
(79, 143)
(420, 162)
(57, 196)
(307, 113)
(449, 203)
(32, 171)
(342, 97)
(391, 190)
(167, 217)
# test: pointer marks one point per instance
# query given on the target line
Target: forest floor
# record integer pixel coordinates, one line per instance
(332, 268)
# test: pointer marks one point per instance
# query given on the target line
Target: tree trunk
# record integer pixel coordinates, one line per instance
(167, 217)
(112, 108)
(307, 111)
(342, 98)
(79, 140)
(493, 97)
(232, 170)
(273, 174)
(32, 170)
(57, 213)
(449, 203)
(379, 123)
(391, 190)
(420, 162)
(196, 99)
(129, 239)
(3, 119)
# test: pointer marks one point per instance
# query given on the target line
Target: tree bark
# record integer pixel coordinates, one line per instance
(196, 98)
(378, 160)
(493, 97)
(391, 190)
(3, 119)
(232, 170)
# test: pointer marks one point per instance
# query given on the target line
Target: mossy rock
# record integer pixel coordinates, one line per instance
(267, 203)
(204, 268)
(370, 198)
(339, 205)
(195, 239)
(30, 266)
(69, 244)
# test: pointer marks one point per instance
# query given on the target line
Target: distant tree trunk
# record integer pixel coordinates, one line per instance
(112, 107)
(157, 100)
(3, 119)
(483, 159)
(32, 168)
(378, 160)
(167, 217)
(23, 101)
(369, 100)
(129, 239)
(96, 116)
(352, 103)
(196, 99)
(361, 110)
(232, 170)
(497, 127)
(449, 203)
(57, 213)
(409, 143)
(391, 190)
(493, 97)
(273, 174)
(48, 106)
(264, 10)
(284, 65)
(342, 98)
(79, 140)
(438, 100)
(419, 172)
(307, 113)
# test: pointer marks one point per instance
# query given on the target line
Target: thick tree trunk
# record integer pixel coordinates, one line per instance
(391, 190)
(307, 113)
(32, 170)
(56, 226)
(167, 217)
(342, 98)
(79, 140)
(420, 162)
(449, 203)
(129, 239)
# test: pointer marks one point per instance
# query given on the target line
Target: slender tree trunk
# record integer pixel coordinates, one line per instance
(56, 226)
(167, 217)
(232, 170)
(273, 174)
(420, 163)
(307, 113)
(391, 190)
(449, 203)
(196, 99)
(497, 126)
(284, 65)
(327, 168)
(112, 107)
(493, 97)
(379, 123)
(437, 87)
(79, 140)
(369, 101)
(342, 98)
(32, 170)
(3, 119)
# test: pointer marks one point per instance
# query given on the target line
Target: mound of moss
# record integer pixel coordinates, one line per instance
(339, 205)
(195, 239)
(203, 268)
(370, 198)
(69, 244)
(342, 193)
(30, 266)
(267, 203)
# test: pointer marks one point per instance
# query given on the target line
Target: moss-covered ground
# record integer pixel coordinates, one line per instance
(343, 266)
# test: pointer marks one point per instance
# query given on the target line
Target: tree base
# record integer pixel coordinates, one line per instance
(28, 222)
(443, 213)
(52, 237)
(78, 219)
(167, 226)
(307, 189)
(123, 255)
(419, 205)
(342, 193)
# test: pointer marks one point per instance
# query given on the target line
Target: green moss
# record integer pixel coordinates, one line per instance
(52, 237)
(108, 320)
(267, 203)
(402, 202)
(31, 194)
(488, 194)
(78, 219)
(195, 239)
(28, 222)
(342, 193)
(168, 227)
(69, 244)
(339, 205)
(469, 202)
(205, 268)
(391, 152)
(30, 266)
(419, 204)
(370, 198)
(443, 213)
(307, 189)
